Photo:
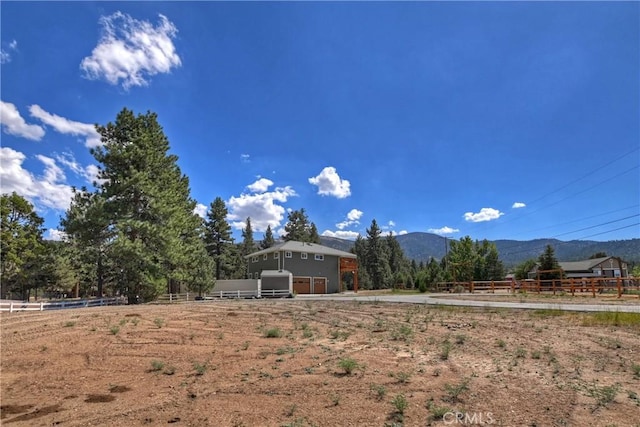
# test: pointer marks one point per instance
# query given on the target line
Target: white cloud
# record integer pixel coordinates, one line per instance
(349, 235)
(443, 230)
(402, 232)
(485, 214)
(201, 210)
(245, 158)
(5, 55)
(330, 184)
(89, 173)
(131, 51)
(66, 126)
(260, 186)
(13, 123)
(53, 234)
(49, 190)
(353, 217)
(262, 208)
(518, 205)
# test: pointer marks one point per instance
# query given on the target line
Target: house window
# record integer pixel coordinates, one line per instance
(250, 275)
(265, 257)
(276, 255)
(288, 254)
(303, 255)
(319, 257)
(254, 259)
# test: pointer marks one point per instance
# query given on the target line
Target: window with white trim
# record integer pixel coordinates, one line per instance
(265, 257)
(303, 255)
(288, 254)
(319, 257)
(254, 259)
(250, 275)
(276, 255)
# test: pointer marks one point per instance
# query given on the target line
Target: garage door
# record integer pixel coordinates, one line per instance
(302, 285)
(319, 285)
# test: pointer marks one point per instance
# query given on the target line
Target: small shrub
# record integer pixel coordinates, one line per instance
(521, 353)
(157, 365)
(170, 370)
(200, 368)
(402, 377)
(636, 370)
(400, 403)
(273, 333)
(159, 322)
(348, 365)
(379, 390)
(69, 324)
(445, 350)
(501, 343)
(535, 355)
(454, 391)
(114, 330)
(460, 339)
(603, 395)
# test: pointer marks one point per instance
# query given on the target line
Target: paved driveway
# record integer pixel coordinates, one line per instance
(435, 300)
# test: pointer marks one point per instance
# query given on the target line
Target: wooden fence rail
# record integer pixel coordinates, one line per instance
(593, 285)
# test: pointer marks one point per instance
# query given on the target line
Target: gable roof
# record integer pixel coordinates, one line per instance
(585, 265)
(293, 246)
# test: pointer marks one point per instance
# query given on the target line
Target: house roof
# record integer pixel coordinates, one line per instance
(294, 246)
(585, 265)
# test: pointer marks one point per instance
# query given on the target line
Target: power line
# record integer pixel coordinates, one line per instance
(599, 225)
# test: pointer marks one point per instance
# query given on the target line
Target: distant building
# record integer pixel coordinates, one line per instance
(316, 269)
(609, 266)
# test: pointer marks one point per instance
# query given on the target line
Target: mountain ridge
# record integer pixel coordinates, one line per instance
(421, 246)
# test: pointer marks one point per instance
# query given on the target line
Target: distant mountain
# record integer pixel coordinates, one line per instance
(423, 246)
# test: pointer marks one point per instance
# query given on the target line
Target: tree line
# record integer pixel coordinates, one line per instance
(136, 233)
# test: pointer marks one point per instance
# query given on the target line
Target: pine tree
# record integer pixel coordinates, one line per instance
(297, 227)
(247, 247)
(21, 237)
(360, 250)
(314, 237)
(548, 262)
(153, 233)
(377, 258)
(267, 240)
(218, 235)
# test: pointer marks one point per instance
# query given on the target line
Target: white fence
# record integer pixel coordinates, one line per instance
(238, 294)
(12, 306)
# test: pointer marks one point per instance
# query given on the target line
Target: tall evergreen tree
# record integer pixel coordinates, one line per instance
(153, 233)
(218, 235)
(299, 228)
(461, 259)
(247, 247)
(21, 237)
(360, 250)
(314, 237)
(377, 258)
(547, 262)
(267, 240)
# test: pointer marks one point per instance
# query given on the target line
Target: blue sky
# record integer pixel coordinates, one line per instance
(497, 120)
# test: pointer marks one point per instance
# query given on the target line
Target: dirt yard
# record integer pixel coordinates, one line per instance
(318, 363)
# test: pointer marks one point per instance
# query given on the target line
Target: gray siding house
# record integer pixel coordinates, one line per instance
(316, 268)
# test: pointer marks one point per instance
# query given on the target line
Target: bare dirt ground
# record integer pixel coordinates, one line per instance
(318, 363)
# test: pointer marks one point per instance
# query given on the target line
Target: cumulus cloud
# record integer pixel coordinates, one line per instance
(131, 51)
(353, 217)
(13, 123)
(200, 210)
(402, 232)
(518, 205)
(260, 186)
(89, 173)
(66, 126)
(245, 158)
(444, 230)
(485, 214)
(48, 190)
(53, 234)
(263, 208)
(341, 234)
(330, 184)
